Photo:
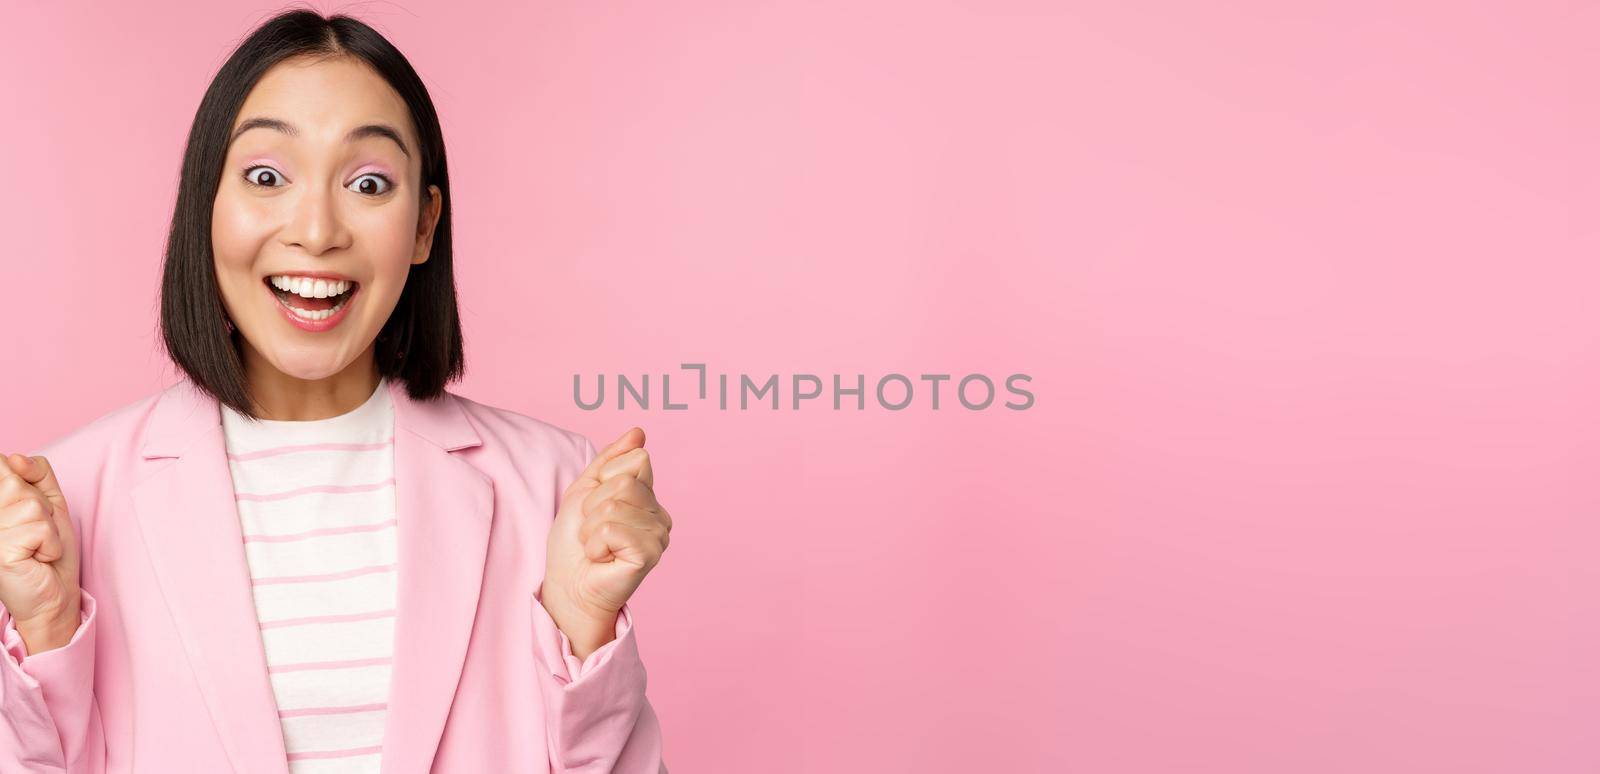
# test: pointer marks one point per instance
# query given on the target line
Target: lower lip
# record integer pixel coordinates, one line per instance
(314, 326)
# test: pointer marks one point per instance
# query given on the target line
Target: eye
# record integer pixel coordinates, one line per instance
(268, 179)
(380, 185)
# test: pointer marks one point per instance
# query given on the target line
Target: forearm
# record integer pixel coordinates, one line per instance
(47, 699)
(596, 715)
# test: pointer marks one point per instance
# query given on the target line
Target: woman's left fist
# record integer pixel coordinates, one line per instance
(609, 532)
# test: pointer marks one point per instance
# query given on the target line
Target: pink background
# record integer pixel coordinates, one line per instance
(1307, 292)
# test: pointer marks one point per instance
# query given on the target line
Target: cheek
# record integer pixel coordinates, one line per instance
(236, 232)
(235, 240)
(389, 234)
(392, 231)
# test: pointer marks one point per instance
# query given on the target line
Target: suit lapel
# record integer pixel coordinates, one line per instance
(189, 520)
(190, 525)
(443, 508)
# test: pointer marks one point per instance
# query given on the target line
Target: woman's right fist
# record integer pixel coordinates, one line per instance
(38, 554)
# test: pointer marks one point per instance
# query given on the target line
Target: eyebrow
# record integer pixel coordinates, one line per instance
(358, 133)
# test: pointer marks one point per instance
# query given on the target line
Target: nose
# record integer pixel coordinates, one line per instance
(316, 224)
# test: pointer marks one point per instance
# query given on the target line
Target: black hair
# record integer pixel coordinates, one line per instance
(420, 344)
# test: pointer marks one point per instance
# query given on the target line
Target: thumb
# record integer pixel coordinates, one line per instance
(631, 439)
(37, 471)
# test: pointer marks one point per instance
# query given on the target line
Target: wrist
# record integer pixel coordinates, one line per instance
(49, 631)
(45, 636)
(587, 631)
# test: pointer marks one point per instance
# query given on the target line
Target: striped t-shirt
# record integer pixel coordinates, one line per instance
(316, 502)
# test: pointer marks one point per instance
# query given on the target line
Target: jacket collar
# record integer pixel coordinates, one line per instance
(183, 412)
(187, 514)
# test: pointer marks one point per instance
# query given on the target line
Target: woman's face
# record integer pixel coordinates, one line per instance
(317, 196)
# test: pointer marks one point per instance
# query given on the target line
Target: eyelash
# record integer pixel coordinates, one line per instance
(388, 184)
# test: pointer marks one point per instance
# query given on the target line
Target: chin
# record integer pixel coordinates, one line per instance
(309, 366)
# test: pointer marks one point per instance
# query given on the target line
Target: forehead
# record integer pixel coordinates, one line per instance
(325, 98)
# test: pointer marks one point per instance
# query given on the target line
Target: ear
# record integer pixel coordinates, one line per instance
(427, 221)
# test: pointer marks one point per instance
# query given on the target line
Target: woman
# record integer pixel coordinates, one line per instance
(307, 555)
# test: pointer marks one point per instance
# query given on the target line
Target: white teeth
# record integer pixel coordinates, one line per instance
(308, 287)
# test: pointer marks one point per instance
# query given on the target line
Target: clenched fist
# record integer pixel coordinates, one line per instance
(38, 554)
(608, 534)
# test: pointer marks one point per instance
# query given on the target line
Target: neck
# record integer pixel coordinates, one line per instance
(279, 396)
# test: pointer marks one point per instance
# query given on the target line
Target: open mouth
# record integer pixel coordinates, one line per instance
(300, 296)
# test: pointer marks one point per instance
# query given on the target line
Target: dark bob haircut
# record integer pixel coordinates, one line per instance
(420, 344)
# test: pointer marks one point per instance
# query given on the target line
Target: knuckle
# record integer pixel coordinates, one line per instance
(34, 509)
(34, 532)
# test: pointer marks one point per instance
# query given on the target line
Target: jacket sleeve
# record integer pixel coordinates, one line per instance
(52, 723)
(598, 717)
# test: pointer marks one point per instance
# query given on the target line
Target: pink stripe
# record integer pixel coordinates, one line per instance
(323, 577)
(346, 664)
(294, 713)
(311, 619)
(317, 488)
(311, 533)
(305, 756)
(276, 450)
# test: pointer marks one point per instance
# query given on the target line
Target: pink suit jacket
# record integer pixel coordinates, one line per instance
(167, 672)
